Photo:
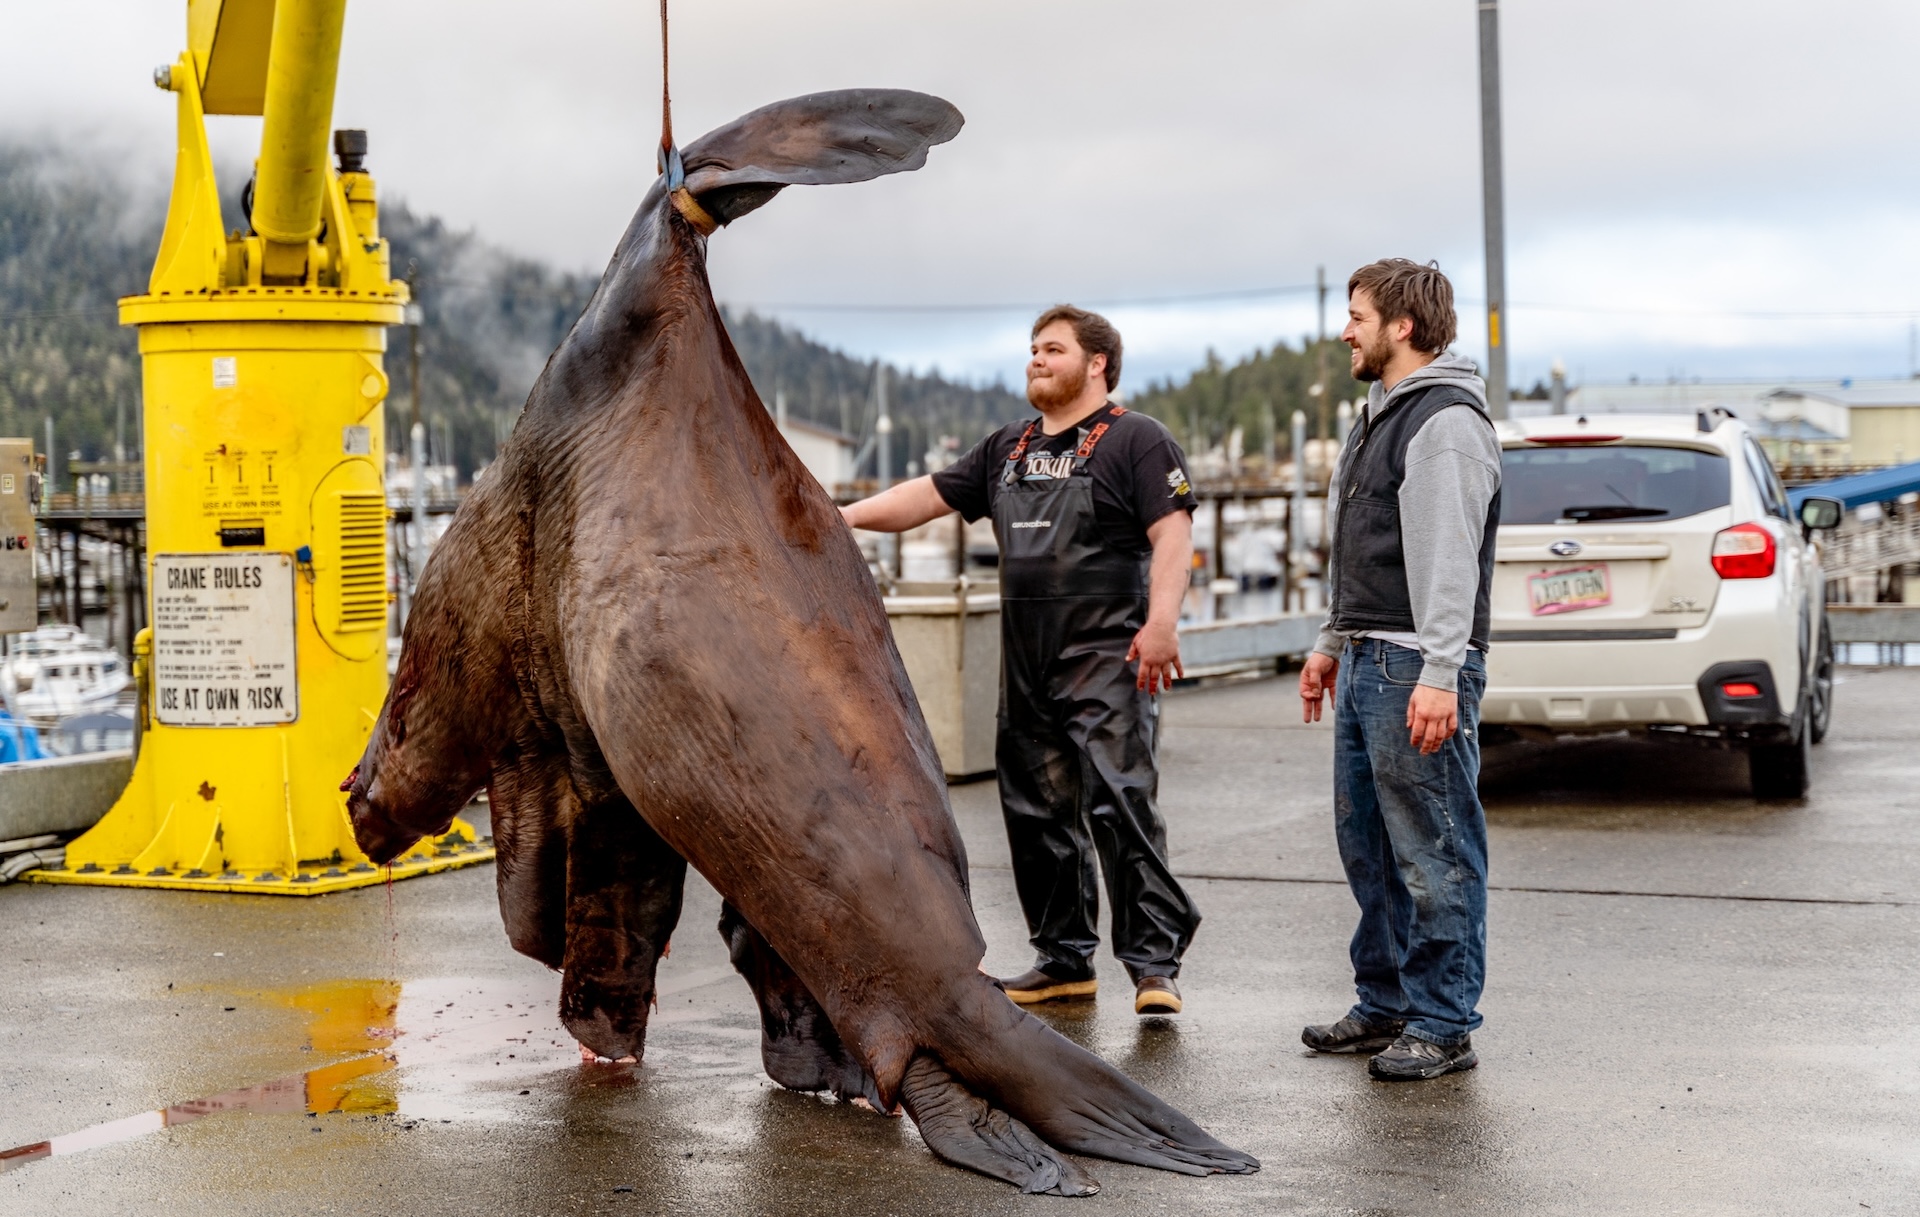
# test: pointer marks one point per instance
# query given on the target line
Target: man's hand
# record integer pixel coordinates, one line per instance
(1316, 682)
(1433, 715)
(1157, 648)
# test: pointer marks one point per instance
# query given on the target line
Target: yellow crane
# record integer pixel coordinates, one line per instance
(264, 662)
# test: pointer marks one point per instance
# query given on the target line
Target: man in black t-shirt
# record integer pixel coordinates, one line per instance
(1093, 512)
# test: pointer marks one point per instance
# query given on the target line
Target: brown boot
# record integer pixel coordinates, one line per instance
(1033, 986)
(1155, 995)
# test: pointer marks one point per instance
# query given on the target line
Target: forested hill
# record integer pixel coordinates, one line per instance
(71, 242)
(74, 238)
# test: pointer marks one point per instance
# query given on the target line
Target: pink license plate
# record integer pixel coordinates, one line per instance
(1569, 591)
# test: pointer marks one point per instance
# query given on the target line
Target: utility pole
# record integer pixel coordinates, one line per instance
(413, 316)
(1297, 514)
(1492, 196)
(883, 431)
(883, 428)
(417, 457)
(1320, 286)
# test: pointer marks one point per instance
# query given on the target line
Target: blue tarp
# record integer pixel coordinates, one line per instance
(1880, 486)
(18, 741)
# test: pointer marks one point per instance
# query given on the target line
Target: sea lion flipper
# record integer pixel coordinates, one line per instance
(966, 1130)
(530, 798)
(799, 1046)
(1083, 1105)
(624, 887)
(822, 139)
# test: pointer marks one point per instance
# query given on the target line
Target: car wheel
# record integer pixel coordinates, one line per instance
(1820, 690)
(1779, 771)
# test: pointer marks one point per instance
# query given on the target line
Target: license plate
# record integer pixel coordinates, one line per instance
(1568, 591)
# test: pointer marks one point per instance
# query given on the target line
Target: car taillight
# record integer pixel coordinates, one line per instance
(1744, 551)
(1740, 688)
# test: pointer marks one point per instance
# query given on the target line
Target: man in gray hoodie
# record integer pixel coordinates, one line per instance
(1413, 506)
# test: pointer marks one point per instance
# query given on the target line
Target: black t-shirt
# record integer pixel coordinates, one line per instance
(1139, 474)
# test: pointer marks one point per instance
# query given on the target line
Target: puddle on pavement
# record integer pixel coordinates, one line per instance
(344, 1016)
(466, 1050)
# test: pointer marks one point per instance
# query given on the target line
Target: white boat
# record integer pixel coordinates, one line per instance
(57, 672)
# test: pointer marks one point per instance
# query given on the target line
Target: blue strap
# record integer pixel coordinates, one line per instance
(671, 165)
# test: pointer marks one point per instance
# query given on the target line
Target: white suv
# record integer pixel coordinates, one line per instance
(1649, 576)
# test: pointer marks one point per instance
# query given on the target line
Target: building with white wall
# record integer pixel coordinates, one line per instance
(827, 454)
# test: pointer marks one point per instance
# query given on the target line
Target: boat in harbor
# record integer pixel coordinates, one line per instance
(58, 672)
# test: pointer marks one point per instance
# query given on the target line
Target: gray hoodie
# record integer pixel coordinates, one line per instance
(1453, 472)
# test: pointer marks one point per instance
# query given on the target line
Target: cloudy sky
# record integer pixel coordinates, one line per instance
(1694, 187)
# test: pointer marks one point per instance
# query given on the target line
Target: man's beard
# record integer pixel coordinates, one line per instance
(1060, 389)
(1374, 360)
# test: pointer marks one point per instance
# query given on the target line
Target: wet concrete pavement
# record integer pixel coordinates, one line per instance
(1697, 1004)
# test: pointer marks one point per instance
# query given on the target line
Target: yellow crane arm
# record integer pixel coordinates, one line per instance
(291, 180)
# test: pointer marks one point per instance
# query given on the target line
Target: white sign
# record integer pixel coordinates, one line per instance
(19, 602)
(226, 371)
(223, 632)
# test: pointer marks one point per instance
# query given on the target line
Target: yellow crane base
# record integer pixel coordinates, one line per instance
(457, 848)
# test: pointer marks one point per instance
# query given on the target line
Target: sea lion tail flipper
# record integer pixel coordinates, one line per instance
(798, 1044)
(822, 139)
(1083, 1105)
(624, 887)
(964, 1129)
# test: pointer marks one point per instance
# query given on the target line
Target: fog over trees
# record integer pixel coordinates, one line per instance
(75, 235)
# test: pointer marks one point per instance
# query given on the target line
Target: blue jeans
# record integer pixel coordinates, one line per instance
(1413, 839)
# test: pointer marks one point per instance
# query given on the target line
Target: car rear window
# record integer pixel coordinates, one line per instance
(1616, 482)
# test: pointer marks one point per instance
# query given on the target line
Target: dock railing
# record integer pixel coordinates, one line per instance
(1249, 644)
(1874, 622)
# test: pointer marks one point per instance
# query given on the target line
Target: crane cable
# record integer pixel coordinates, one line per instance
(670, 163)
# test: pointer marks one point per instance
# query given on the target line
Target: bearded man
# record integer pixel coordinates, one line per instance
(1416, 500)
(1093, 512)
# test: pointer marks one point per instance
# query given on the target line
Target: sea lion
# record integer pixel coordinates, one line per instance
(649, 635)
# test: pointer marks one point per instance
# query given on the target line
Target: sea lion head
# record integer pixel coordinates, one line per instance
(411, 781)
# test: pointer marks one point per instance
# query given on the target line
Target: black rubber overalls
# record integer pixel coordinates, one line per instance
(1076, 736)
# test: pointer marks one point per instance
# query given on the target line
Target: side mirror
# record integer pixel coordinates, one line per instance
(1821, 513)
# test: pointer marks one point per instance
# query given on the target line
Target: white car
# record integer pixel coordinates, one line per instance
(1649, 577)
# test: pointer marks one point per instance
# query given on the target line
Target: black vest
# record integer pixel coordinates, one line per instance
(1369, 567)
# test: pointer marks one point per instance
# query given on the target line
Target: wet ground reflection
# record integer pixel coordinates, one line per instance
(352, 1016)
(467, 1049)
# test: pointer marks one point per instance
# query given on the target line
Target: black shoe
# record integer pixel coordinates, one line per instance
(1351, 1034)
(1155, 995)
(1033, 986)
(1412, 1060)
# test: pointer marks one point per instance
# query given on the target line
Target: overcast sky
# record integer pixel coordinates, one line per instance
(1679, 172)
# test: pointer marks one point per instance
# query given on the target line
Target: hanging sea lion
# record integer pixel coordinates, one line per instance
(650, 636)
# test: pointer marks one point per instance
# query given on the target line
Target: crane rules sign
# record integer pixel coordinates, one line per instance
(223, 640)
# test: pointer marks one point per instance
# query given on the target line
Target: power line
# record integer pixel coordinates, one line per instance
(1737, 314)
(1245, 293)
(1250, 293)
(1291, 289)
